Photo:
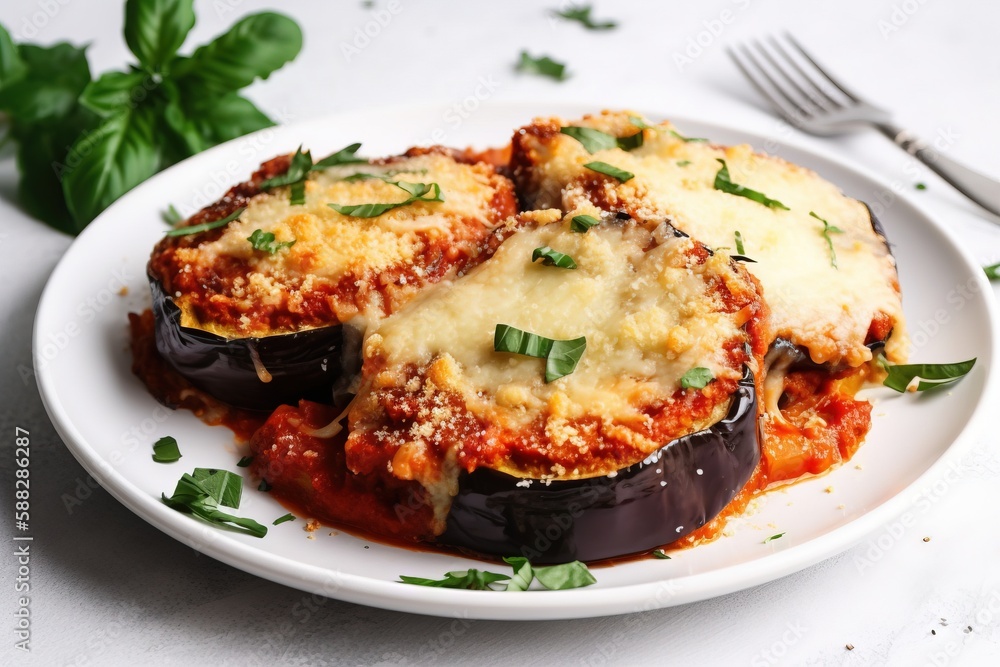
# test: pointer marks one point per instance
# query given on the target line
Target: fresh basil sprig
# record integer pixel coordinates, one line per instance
(552, 257)
(542, 66)
(425, 192)
(302, 164)
(264, 241)
(552, 577)
(596, 140)
(206, 226)
(84, 142)
(581, 223)
(201, 493)
(723, 183)
(165, 450)
(696, 378)
(930, 376)
(610, 170)
(581, 14)
(561, 356)
(827, 230)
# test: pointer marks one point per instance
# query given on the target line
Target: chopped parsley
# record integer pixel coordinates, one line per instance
(901, 377)
(561, 356)
(261, 240)
(542, 66)
(696, 378)
(723, 183)
(827, 230)
(581, 223)
(581, 14)
(609, 170)
(165, 450)
(206, 226)
(552, 257)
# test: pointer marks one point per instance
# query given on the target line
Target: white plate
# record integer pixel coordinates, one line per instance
(109, 421)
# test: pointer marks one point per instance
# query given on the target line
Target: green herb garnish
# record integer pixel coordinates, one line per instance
(581, 223)
(264, 241)
(561, 356)
(298, 168)
(581, 14)
(172, 216)
(595, 140)
(678, 135)
(739, 242)
(827, 230)
(206, 226)
(930, 376)
(640, 123)
(661, 554)
(165, 450)
(609, 170)
(696, 378)
(245, 462)
(201, 494)
(283, 519)
(417, 192)
(992, 271)
(774, 537)
(543, 66)
(683, 163)
(85, 140)
(723, 183)
(551, 257)
(264, 485)
(552, 577)
(920, 186)
(345, 155)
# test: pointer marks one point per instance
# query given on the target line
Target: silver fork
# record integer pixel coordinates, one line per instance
(806, 96)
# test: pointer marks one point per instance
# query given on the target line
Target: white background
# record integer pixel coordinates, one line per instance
(109, 589)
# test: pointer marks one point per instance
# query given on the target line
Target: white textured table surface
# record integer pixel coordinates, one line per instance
(107, 589)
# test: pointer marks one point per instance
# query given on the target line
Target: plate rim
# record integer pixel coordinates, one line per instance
(581, 603)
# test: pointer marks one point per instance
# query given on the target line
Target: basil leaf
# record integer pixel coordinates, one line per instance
(581, 14)
(640, 123)
(417, 192)
(283, 519)
(299, 166)
(565, 576)
(206, 226)
(245, 461)
(192, 496)
(739, 242)
(155, 29)
(696, 378)
(742, 258)
(992, 271)
(343, 156)
(261, 240)
(543, 66)
(113, 91)
(12, 68)
(683, 163)
(172, 216)
(827, 230)
(563, 357)
(221, 119)
(165, 450)
(523, 573)
(476, 580)
(253, 48)
(581, 223)
(596, 140)
(297, 194)
(723, 183)
(551, 257)
(661, 554)
(224, 487)
(119, 155)
(609, 170)
(920, 186)
(49, 81)
(264, 486)
(774, 537)
(931, 376)
(686, 140)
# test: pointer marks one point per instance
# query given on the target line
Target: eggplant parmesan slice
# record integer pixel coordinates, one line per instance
(825, 268)
(502, 455)
(258, 324)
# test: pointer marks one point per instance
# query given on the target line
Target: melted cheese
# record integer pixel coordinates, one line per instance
(329, 246)
(648, 317)
(825, 308)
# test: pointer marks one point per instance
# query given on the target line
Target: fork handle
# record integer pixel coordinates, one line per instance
(978, 187)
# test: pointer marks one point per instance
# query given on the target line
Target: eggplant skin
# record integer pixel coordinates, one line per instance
(302, 364)
(644, 506)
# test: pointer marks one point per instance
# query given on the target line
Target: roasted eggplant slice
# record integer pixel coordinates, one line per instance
(252, 311)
